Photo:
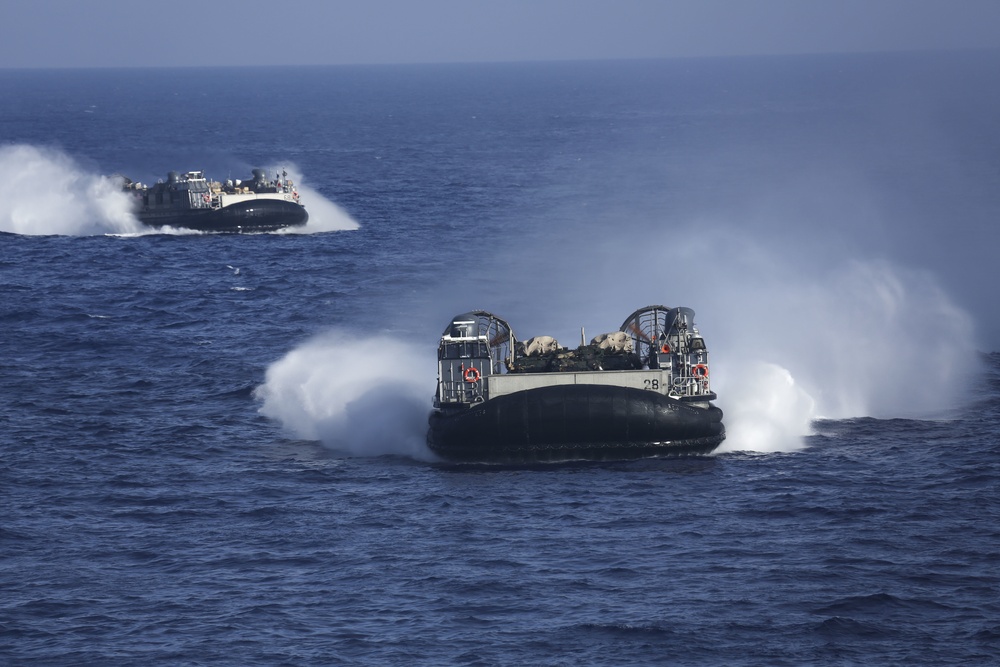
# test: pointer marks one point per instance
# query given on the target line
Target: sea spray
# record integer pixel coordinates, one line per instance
(864, 337)
(324, 215)
(765, 410)
(45, 192)
(360, 394)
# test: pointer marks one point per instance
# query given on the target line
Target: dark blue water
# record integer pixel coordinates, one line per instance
(211, 446)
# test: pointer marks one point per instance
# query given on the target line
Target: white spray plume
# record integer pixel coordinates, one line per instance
(44, 192)
(861, 338)
(765, 410)
(324, 215)
(360, 394)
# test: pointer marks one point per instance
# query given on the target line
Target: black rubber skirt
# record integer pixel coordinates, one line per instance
(575, 422)
(260, 215)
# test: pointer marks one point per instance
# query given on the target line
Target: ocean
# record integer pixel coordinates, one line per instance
(212, 446)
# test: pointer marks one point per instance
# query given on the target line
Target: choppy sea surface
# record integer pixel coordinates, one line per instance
(211, 446)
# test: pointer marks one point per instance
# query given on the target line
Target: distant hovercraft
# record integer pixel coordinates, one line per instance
(642, 391)
(190, 201)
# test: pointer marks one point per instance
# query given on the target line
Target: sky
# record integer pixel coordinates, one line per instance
(134, 33)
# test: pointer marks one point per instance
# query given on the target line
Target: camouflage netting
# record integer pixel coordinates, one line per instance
(584, 358)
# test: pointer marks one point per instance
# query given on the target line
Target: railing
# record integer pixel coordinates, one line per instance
(454, 389)
(459, 391)
(691, 384)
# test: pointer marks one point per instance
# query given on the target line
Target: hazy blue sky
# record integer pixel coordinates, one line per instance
(103, 33)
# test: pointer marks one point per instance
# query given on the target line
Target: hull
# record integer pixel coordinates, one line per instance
(260, 215)
(575, 422)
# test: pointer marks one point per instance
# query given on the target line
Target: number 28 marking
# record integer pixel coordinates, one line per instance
(652, 385)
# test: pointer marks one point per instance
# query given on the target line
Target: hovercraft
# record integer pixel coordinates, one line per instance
(191, 201)
(642, 391)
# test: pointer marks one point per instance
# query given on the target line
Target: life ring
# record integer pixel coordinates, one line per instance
(471, 374)
(206, 198)
(699, 370)
(665, 349)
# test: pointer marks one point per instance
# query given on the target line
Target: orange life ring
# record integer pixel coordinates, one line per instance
(699, 370)
(665, 349)
(471, 374)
